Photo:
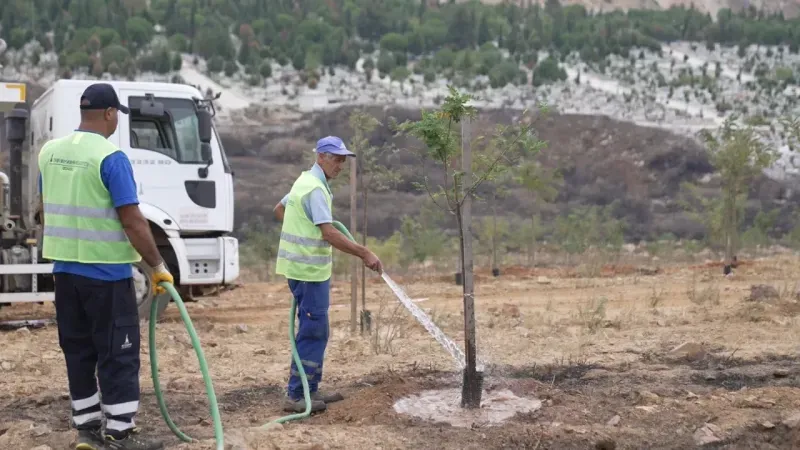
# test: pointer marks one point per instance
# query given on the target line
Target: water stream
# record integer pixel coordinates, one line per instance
(429, 325)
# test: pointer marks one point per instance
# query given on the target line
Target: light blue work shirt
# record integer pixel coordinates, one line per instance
(314, 203)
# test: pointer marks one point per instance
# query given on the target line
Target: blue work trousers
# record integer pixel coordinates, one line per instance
(313, 302)
(98, 331)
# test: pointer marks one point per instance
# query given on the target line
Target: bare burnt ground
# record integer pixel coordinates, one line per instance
(658, 405)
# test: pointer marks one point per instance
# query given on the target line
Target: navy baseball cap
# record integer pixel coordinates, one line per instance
(101, 96)
(333, 145)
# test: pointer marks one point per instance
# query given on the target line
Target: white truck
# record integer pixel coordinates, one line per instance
(184, 182)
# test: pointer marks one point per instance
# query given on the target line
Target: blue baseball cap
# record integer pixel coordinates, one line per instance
(101, 96)
(333, 145)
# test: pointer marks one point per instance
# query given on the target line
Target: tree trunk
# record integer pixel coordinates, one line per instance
(363, 268)
(532, 250)
(494, 234)
(730, 225)
(471, 389)
(353, 260)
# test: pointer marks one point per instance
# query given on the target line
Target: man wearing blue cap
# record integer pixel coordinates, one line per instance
(93, 232)
(305, 258)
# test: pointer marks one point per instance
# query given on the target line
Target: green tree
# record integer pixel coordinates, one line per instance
(231, 68)
(140, 31)
(116, 54)
(386, 63)
(791, 125)
(544, 185)
(265, 69)
(548, 71)
(394, 42)
(368, 66)
(489, 158)
(739, 155)
(178, 42)
(215, 64)
(373, 176)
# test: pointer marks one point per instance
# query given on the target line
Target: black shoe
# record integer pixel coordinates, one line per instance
(132, 440)
(326, 397)
(299, 406)
(90, 439)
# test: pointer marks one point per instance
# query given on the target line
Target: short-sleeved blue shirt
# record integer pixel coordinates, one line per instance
(314, 204)
(117, 175)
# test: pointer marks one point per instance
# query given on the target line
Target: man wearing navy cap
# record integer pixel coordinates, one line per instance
(93, 232)
(305, 258)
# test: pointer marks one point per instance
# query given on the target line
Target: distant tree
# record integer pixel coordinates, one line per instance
(368, 65)
(354, 28)
(791, 126)
(544, 184)
(140, 31)
(739, 154)
(115, 54)
(386, 63)
(373, 176)
(231, 68)
(394, 42)
(215, 64)
(265, 69)
(178, 42)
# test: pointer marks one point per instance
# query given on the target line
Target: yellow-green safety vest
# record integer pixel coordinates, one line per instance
(303, 254)
(80, 221)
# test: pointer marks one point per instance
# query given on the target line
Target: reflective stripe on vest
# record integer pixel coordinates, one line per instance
(81, 224)
(302, 252)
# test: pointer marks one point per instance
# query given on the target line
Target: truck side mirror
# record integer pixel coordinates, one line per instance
(204, 126)
(205, 151)
(15, 125)
(150, 107)
(205, 155)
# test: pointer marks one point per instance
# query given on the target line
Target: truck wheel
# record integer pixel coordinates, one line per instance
(142, 276)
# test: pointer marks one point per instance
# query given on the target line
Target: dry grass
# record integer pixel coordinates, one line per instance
(623, 323)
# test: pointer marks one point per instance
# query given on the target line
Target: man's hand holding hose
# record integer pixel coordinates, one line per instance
(372, 262)
(160, 273)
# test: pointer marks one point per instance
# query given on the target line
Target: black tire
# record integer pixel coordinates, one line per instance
(142, 276)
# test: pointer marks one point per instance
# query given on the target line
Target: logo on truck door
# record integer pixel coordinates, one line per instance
(151, 162)
(192, 216)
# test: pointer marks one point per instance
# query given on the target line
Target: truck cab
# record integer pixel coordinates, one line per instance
(184, 182)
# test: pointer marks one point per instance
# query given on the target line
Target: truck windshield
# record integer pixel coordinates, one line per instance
(174, 134)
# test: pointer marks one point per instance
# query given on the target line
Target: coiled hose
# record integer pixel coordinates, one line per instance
(212, 397)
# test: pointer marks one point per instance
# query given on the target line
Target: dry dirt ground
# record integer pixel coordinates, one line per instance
(600, 353)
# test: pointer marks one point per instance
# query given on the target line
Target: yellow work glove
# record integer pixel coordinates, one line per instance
(160, 273)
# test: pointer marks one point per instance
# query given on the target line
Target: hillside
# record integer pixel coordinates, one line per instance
(636, 171)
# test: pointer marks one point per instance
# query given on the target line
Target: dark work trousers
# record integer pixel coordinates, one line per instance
(98, 328)
(313, 302)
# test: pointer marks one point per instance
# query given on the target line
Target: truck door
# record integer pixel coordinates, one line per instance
(166, 158)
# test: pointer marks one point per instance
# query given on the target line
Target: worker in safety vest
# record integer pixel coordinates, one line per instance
(305, 258)
(93, 231)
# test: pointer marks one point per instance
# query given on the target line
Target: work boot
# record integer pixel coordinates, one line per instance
(132, 440)
(299, 406)
(89, 439)
(327, 397)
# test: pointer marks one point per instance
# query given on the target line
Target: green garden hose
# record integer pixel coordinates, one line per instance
(303, 379)
(293, 310)
(212, 397)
